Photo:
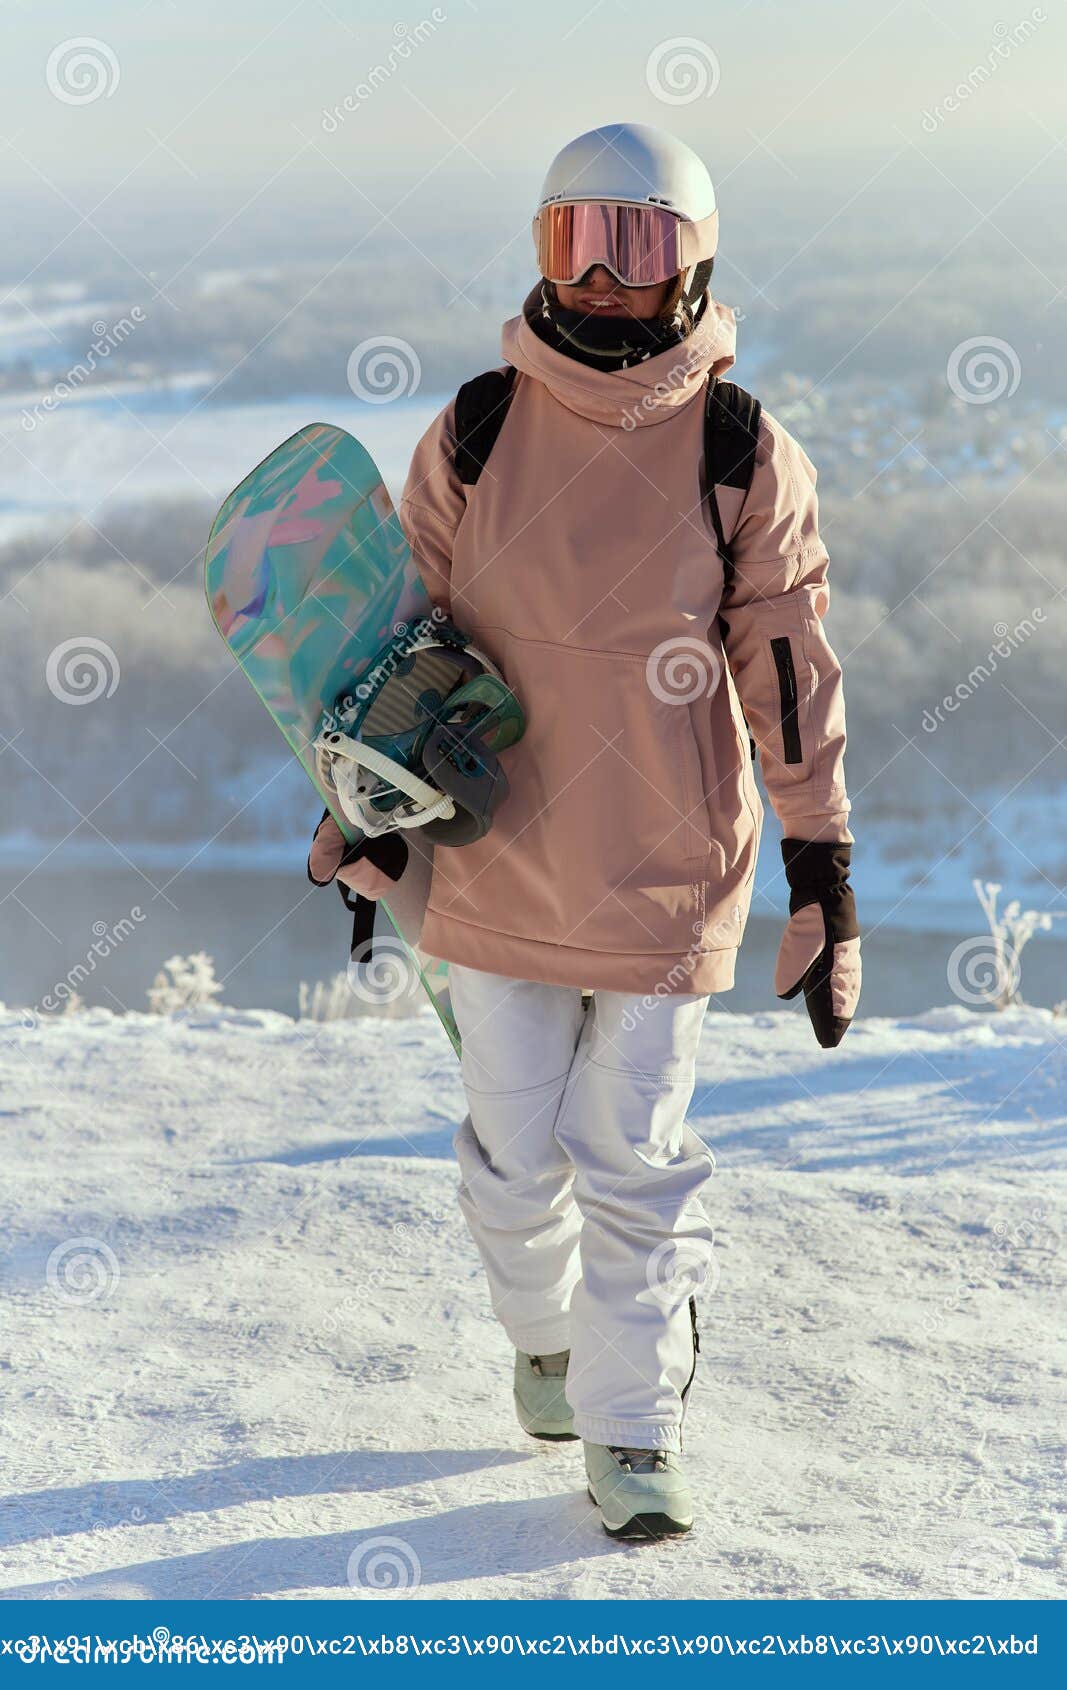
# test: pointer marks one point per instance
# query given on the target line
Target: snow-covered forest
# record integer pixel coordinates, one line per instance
(939, 488)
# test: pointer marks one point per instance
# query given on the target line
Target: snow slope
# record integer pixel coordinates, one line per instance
(269, 1368)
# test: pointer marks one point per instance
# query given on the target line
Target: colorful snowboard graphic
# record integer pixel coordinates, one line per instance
(308, 576)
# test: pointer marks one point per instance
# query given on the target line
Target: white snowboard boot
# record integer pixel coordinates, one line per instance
(542, 1408)
(641, 1493)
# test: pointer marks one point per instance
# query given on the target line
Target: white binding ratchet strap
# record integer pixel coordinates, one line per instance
(428, 642)
(433, 804)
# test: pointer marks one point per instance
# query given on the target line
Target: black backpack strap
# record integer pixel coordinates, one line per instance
(481, 406)
(731, 432)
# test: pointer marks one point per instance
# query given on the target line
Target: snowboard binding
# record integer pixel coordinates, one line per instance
(417, 744)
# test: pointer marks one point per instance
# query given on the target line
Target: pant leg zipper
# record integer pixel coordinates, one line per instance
(693, 1369)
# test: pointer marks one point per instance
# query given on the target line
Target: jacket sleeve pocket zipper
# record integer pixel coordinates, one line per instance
(782, 652)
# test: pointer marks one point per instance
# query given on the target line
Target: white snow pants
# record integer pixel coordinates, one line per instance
(580, 1182)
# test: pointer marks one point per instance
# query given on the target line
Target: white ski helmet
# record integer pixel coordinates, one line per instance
(624, 165)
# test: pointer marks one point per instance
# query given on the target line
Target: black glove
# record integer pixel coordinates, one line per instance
(820, 953)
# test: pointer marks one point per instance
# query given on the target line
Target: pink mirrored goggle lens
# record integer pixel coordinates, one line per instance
(637, 243)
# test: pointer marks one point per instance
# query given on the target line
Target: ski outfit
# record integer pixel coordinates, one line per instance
(584, 564)
(580, 1181)
(646, 640)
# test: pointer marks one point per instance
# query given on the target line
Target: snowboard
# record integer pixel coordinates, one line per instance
(308, 576)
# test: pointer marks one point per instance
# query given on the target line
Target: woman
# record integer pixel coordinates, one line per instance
(583, 560)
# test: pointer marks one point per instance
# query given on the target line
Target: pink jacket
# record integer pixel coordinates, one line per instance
(583, 562)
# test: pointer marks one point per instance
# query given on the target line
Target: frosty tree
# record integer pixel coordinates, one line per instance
(1010, 931)
(184, 982)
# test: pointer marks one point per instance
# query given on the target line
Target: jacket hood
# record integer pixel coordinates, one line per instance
(636, 397)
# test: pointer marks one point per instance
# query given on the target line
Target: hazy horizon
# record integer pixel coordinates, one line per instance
(502, 90)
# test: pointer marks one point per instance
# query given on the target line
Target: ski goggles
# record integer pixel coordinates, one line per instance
(640, 244)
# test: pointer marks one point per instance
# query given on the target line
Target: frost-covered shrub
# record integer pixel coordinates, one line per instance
(184, 982)
(328, 1000)
(339, 999)
(1010, 931)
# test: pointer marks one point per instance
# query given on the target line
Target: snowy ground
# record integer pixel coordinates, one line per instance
(246, 1338)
